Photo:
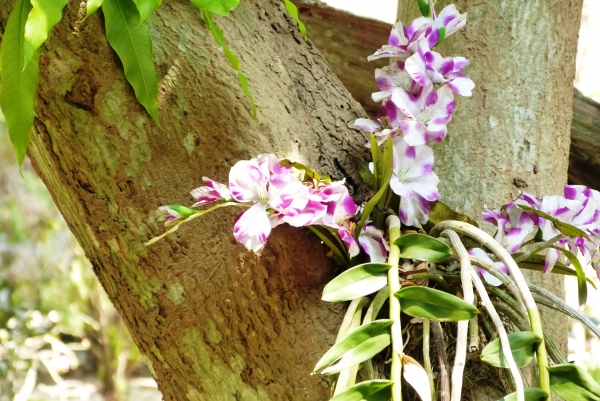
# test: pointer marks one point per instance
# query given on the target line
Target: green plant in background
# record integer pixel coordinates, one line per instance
(55, 319)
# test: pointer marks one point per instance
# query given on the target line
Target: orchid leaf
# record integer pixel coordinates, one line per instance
(293, 12)
(571, 382)
(219, 7)
(146, 8)
(19, 82)
(308, 172)
(523, 345)
(372, 390)
(567, 229)
(217, 34)
(328, 239)
(376, 155)
(356, 282)
(536, 262)
(42, 18)
(531, 394)
(358, 346)
(581, 284)
(423, 247)
(383, 178)
(91, 7)
(366, 175)
(416, 376)
(132, 42)
(441, 212)
(427, 303)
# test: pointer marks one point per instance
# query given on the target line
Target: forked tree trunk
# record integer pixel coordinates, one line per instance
(216, 322)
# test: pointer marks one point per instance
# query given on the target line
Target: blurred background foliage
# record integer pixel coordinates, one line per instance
(60, 337)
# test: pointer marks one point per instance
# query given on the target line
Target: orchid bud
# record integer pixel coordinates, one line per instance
(425, 7)
(442, 32)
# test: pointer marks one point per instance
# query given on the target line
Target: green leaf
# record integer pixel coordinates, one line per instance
(567, 229)
(358, 346)
(133, 44)
(19, 85)
(92, 6)
(581, 285)
(356, 282)
(293, 12)
(331, 241)
(423, 247)
(146, 8)
(441, 212)
(376, 155)
(536, 262)
(384, 180)
(366, 175)
(531, 394)
(431, 304)
(219, 7)
(232, 58)
(573, 383)
(308, 172)
(42, 18)
(523, 345)
(372, 390)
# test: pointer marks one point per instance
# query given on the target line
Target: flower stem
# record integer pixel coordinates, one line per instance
(426, 356)
(394, 284)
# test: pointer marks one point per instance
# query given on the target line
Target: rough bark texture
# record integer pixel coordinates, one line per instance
(215, 321)
(346, 39)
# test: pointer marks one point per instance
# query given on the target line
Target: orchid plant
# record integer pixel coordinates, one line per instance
(415, 260)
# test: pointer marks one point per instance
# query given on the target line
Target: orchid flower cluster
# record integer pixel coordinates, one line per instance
(276, 194)
(530, 217)
(417, 95)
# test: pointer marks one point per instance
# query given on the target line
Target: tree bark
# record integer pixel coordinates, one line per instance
(214, 321)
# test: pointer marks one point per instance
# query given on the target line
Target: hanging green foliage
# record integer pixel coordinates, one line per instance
(19, 84)
(131, 40)
(42, 18)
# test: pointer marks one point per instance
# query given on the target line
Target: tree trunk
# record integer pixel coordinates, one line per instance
(214, 321)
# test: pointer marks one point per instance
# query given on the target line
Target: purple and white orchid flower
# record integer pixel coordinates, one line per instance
(391, 77)
(414, 180)
(212, 192)
(428, 67)
(265, 184)
(427, 113)
(374, 244)
(483, 256)
(340, 208)
(384, 127)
